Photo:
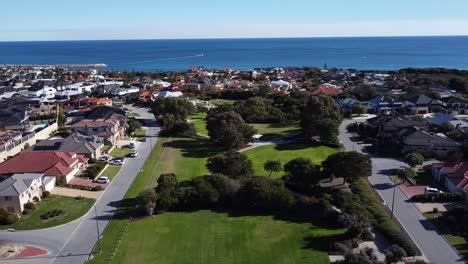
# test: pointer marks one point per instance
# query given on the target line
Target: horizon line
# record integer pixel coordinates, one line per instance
(238, 38)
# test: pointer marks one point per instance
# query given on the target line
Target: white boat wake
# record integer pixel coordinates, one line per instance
(166, 59)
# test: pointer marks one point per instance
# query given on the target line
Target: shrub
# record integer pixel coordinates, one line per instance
(96, 188)
(11, 219)
(3, 215)
(30, 206)
(61, 181)
(36, 199)
(27, 211)
(51, 214)
(45, 194)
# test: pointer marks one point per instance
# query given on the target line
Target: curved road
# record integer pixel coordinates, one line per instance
(434, 247)
(73, 242)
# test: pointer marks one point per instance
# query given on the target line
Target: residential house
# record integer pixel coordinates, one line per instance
(392, 124)
(419, 104)
(14, 119)
(456, 105)
(383, 104)
(88, 146)
(105, 122)
(169, 94)
(20, 189)
(100, 101)
(347, 104)
(415, 139)
(326, 89)
(51, 164)
(454, 176)
(8, 137)
(146, 96)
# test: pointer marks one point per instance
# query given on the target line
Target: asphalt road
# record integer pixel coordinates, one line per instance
(72, 243)
(434, 247)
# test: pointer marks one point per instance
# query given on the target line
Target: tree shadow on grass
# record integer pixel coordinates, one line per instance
(323, 242)
(194, 148)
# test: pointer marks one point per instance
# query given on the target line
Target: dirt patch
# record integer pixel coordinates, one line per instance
(8, 251)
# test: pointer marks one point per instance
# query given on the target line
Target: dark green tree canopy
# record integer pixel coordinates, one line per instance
(264, 193)
(167, 182)
(259, 110)
(414, 159)
(302, 171)
(229, 130)
(232, 164)
(180, 108)
(348, 165)
(272, 166)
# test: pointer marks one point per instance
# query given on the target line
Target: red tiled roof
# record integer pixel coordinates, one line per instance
(457, 173)
(99, 100)
(48, 163)
(323, 89)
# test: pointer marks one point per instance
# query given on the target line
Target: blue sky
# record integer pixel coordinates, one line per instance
(155, 19)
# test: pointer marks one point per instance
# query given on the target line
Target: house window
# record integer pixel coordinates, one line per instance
(8, 198)
(95, 129)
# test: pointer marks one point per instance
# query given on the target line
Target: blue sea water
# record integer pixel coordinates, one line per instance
(385, 53)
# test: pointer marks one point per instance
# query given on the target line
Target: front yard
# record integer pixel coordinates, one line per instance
(73, 209)
(120, 152)
(111, 171)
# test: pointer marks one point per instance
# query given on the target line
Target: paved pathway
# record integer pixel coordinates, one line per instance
(434, 247)
(73, 242)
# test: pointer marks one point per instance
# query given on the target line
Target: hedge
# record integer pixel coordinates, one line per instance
(438, 197)
(382, 222)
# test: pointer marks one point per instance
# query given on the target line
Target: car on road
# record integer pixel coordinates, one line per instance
(117, 161)
(105, 158)
(429, 190)
(134, 154)
(102, 179)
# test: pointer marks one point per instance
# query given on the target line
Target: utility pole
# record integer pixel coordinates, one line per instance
(97, 228)
(393, 198)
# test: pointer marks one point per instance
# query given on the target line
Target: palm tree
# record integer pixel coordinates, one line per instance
(272, 166)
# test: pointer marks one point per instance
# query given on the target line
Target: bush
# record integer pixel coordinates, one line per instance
(437, 197)
(11, 219)
(36, 199)
(61, 181)
(45, 194)
(30, 206)
(96, 188)
(51, 214)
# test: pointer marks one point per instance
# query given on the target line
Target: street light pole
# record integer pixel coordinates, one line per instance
(97, 228)
(393, 199)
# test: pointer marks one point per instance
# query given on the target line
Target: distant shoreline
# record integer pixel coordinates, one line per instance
(92, 65)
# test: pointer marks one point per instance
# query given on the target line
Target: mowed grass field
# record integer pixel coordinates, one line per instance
(199, 120)
(209, 237)
(272, 131)
(285, 153)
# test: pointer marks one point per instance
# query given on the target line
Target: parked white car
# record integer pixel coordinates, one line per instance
(102, 179)
(429, 190)
(118, 162)
(134, 154)
(105, 158)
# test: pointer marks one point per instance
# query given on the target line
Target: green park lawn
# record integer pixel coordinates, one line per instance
(73, 209)
(206, 236)
(120, 152)
(209, 237)
(199, 120)
(222, 101)
(111, 171)
(285, 153)
(272, 131)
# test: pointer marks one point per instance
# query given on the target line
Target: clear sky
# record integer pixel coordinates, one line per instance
(155, 19)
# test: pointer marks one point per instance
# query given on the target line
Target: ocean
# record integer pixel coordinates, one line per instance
(370, 53)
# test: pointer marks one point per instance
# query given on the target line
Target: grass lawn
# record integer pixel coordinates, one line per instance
(272, 131)
(222, 101)
(186, 157)
(120, 153)
(209, 237)
(111, 171)
(141, 132)
(105, 148)
(73, 210)
(200, 123)
(285, 153)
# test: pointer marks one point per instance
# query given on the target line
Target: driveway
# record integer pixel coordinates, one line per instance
(73, 242)
(434, 247)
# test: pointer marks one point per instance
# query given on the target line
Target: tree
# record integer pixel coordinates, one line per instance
(394, 254)
(258, 110)
(168, 121)
(266, 194)
(229, 130)
(302, 171)
(167, 182)
(61, 117)
(457, 84)
(165, 191)
(147, 199)
(232, 164)
(180, 108)
(133, 126)
(272, 166)
(414, 159)
(320, 117)
(348, 165)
